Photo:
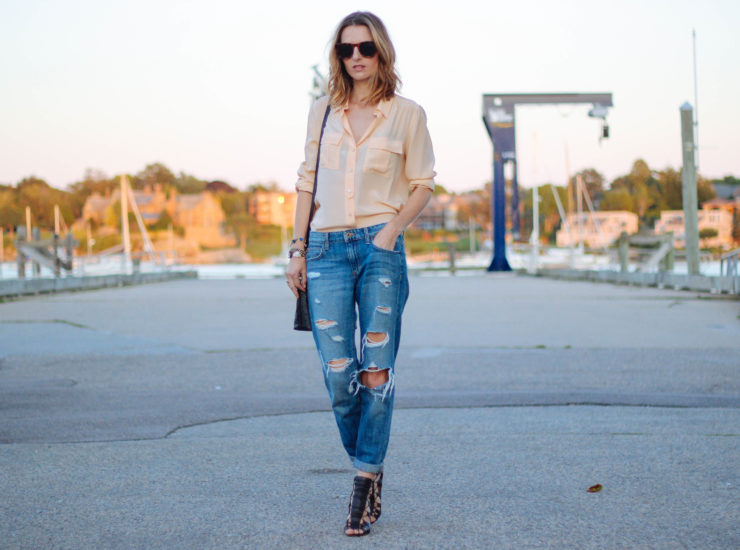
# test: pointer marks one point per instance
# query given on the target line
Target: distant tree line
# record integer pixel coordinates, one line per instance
(41, 197)
(644, 191)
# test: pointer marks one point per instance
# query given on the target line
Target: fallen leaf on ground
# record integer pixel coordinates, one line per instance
(595, 488)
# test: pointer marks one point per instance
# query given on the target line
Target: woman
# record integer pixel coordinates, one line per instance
(376, 174)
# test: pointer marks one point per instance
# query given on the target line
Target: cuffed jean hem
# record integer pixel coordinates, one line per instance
(365, 467)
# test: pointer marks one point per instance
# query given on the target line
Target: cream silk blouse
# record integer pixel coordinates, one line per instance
(367, 182)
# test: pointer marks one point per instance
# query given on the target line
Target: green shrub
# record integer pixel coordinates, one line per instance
(264, 241)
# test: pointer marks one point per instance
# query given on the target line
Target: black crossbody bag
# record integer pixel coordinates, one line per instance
(302, 319)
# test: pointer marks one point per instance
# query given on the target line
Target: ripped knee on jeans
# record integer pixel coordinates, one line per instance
(374, 376)
(379, 381)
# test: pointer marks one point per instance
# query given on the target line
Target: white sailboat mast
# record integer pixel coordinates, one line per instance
(125, 233)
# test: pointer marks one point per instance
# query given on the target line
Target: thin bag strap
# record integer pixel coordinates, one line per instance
(316, 174)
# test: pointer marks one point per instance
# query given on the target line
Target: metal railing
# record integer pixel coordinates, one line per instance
(659, 249)
(55, 253)
(730, 260)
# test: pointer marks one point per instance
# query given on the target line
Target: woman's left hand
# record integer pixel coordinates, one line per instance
(295, 275)
(386, 238)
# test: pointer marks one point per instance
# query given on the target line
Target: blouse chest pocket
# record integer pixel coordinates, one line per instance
(330, 145)
(382, 155)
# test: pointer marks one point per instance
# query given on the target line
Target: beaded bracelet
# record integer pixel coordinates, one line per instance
(296, 240)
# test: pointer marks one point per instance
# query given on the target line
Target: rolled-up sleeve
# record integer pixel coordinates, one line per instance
(307, 169)
(419, 153)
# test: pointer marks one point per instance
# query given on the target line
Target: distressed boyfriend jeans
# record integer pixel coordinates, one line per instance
(350, 278)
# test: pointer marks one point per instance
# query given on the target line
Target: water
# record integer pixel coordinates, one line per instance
(465, 263)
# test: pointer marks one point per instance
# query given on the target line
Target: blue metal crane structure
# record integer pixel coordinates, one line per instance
(499, 119)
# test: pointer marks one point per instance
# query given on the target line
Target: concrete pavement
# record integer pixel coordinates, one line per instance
(188, 415)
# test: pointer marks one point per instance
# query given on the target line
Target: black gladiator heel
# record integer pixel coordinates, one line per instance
(375, 497)
(358, 517)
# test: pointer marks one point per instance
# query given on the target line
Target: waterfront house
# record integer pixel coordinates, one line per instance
(200, 215)
(273, 207)
(597, 229)
(718, 220)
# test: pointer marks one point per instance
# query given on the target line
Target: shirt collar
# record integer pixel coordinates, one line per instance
(382, 108)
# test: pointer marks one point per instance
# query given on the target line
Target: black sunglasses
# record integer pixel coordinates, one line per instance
(367, 49)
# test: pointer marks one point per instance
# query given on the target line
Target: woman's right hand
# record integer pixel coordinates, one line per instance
(295, 274)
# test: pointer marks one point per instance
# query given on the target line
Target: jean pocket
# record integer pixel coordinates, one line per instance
(314, 252)
(397, 248)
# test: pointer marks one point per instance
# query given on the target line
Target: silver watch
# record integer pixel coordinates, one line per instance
(296, 252)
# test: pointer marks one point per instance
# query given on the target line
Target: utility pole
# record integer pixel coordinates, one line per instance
(688, 180)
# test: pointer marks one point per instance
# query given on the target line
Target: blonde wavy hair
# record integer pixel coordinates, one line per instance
(385, 82)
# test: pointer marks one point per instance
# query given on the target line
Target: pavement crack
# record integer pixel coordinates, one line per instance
(240, 417)
(5, 440)
(207, 422)
(43, 322)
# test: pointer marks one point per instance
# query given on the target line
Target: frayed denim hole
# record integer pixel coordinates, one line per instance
(339, 365)
(375, 339)
(378, 392)
(324, 324)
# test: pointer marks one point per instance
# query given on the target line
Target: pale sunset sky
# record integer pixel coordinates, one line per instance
(219, 88)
